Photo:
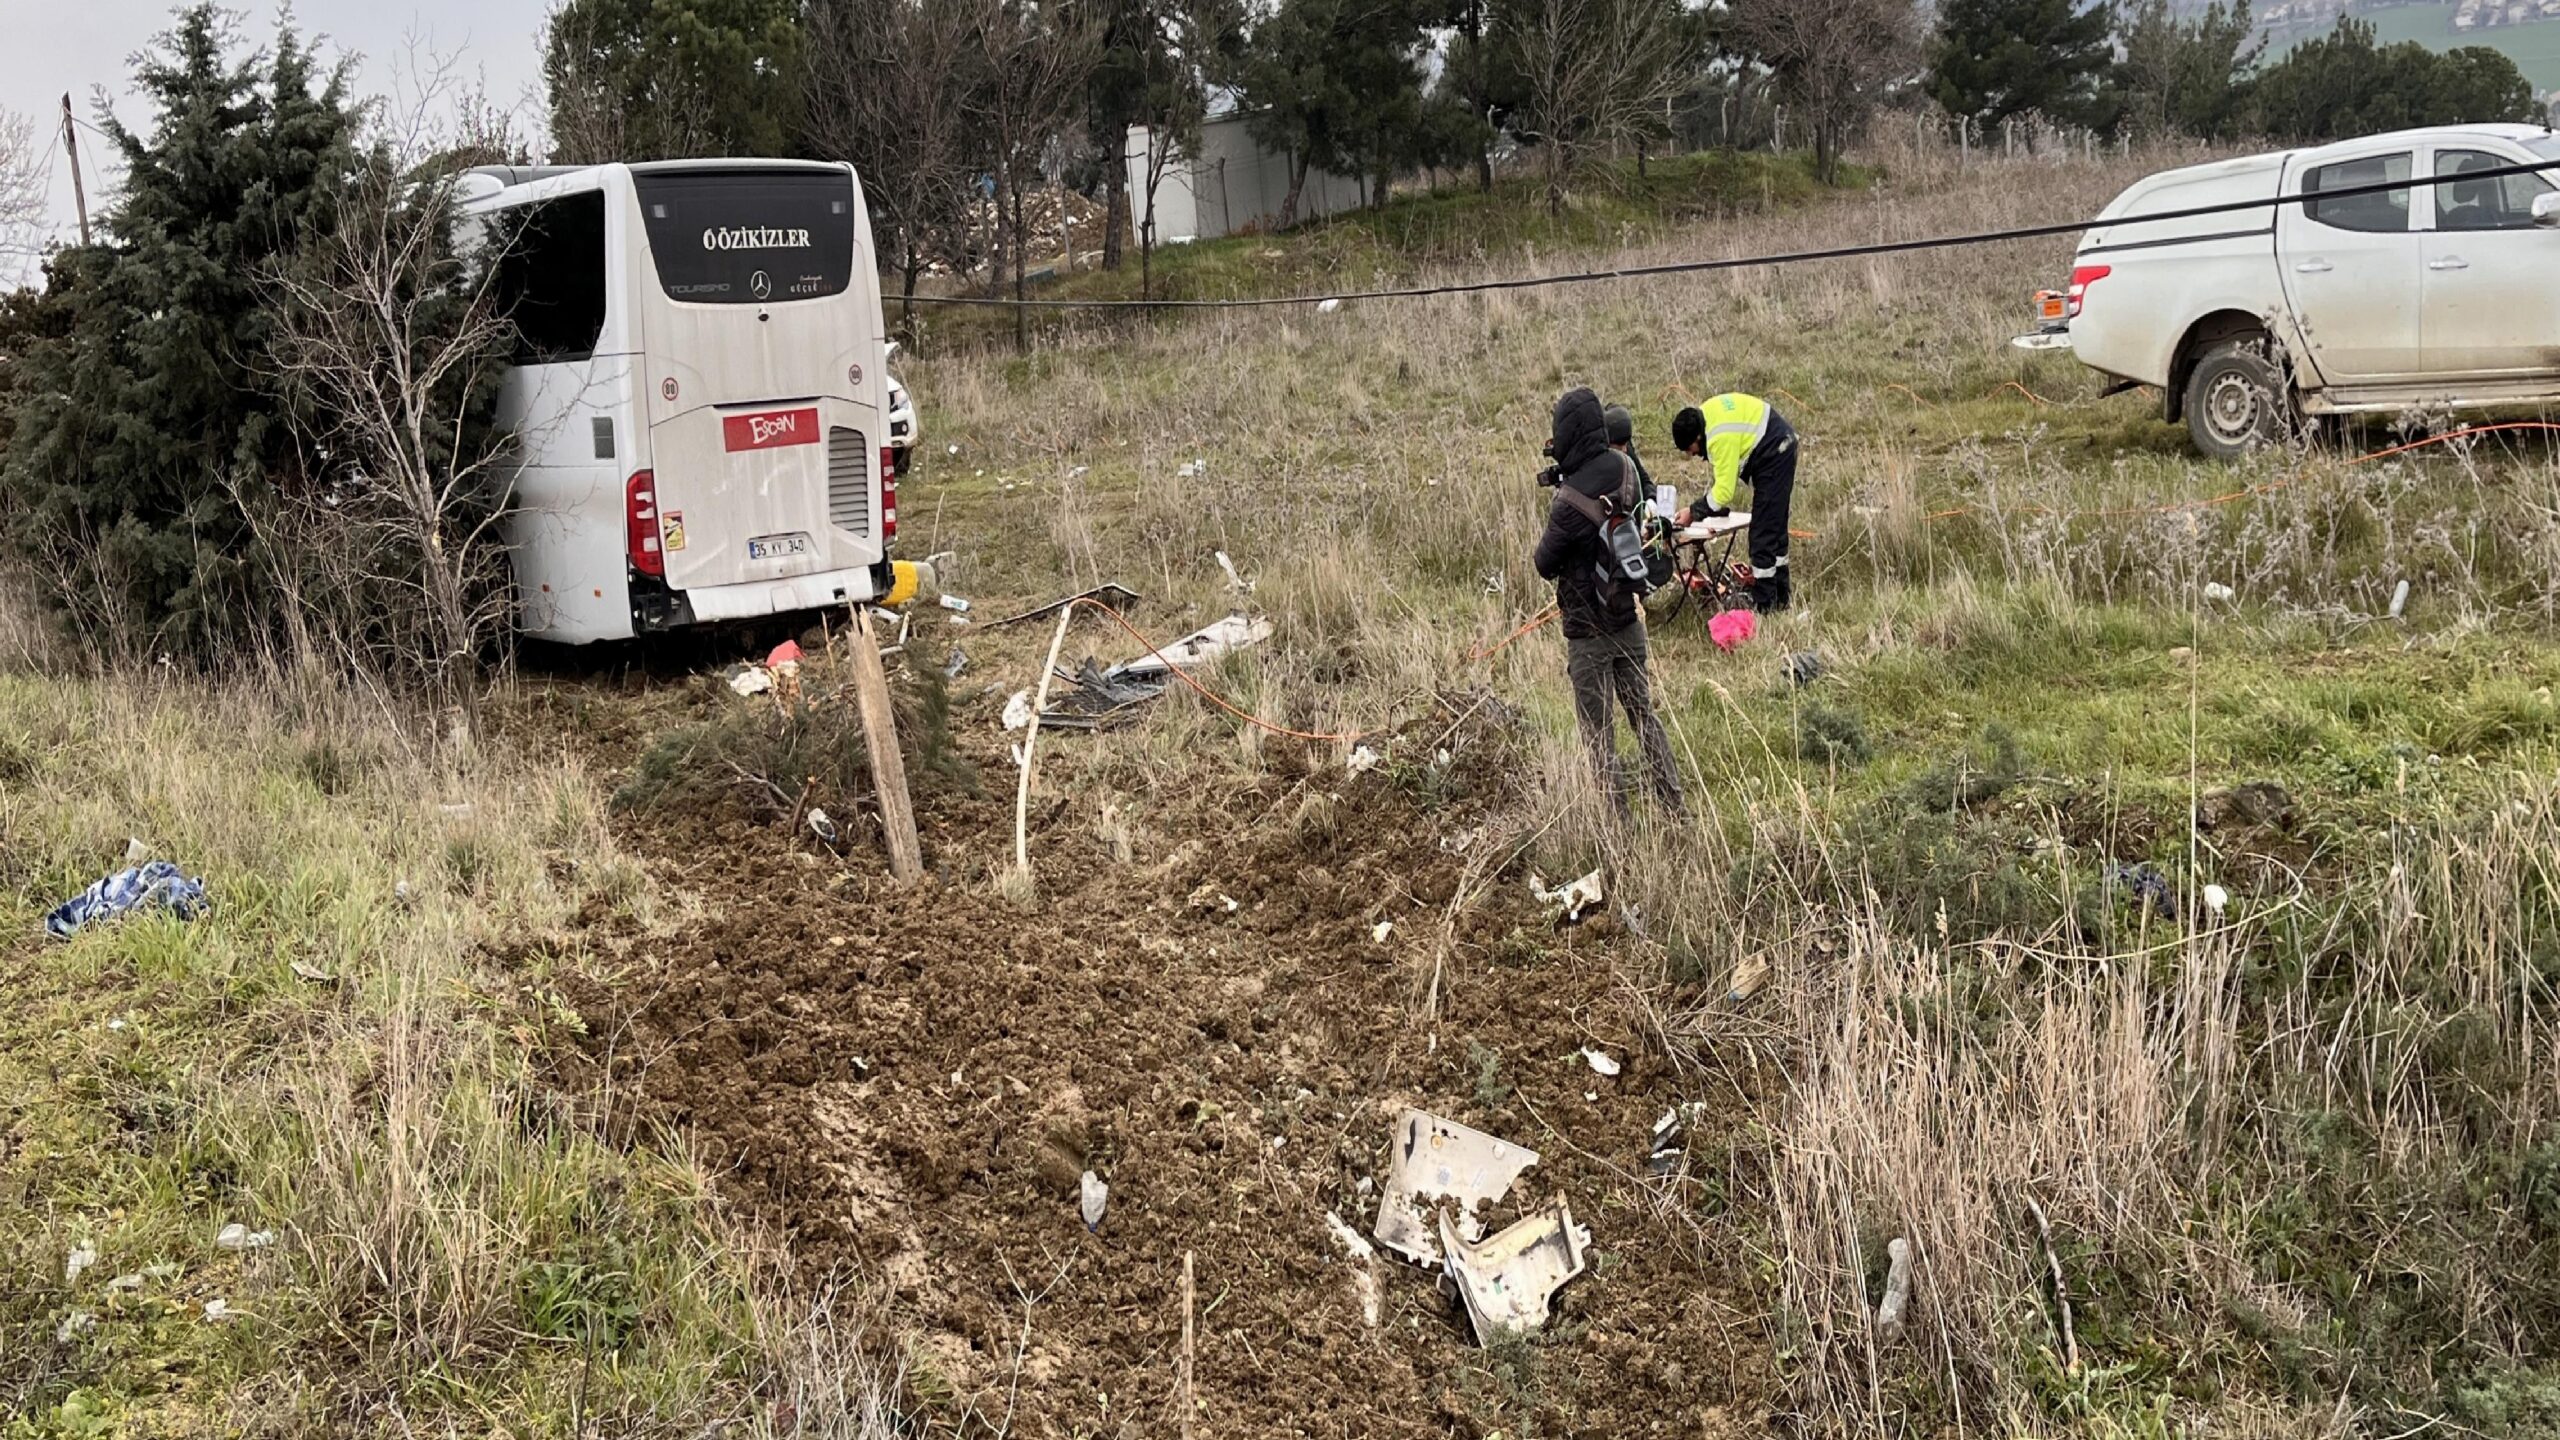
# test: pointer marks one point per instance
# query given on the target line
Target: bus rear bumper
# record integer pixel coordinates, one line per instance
(759, 599)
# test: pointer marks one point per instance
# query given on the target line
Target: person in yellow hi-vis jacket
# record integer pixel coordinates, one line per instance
(1745, 441)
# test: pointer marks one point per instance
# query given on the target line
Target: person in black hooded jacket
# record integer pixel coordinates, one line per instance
(1604, 638)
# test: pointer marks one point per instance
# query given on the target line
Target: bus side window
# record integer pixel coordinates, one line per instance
(551, 278)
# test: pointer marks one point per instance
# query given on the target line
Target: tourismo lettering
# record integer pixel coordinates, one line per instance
(748, 237)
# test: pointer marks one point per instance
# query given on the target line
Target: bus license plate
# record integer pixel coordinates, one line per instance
(776, 547)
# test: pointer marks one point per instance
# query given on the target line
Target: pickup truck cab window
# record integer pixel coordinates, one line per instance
(2382, 212)
(2502, 203)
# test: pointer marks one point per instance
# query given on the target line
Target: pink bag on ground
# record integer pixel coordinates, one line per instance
(1732, 627)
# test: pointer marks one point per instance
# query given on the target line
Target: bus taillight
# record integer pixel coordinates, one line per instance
(640, 512)
(888, 493)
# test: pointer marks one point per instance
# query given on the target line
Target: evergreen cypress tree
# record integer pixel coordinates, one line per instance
(2002, 58)
(146, 417)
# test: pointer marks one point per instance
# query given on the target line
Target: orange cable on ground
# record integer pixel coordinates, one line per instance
(2023, 390)
(1543, 616)
(1914, 394)
(2457, 435)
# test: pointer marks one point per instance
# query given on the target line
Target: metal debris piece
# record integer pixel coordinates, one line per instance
(1508, 1282)
(959, 662)
(1236, 632)
(1803, 668)
(1434, 1159)
(1096, 1196)
(1671, 1139)
(1097, 698)
(1571, 901)
(821, 825)
(1116, 596)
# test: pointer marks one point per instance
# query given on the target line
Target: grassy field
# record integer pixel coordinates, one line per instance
(2289, 1156)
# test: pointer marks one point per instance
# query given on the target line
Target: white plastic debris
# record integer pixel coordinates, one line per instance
(1380, 931)
(754, 680)
(1328, 305)
(1017, 711)
(2215, 898)
(821, 826)
(135, 852)
(217, 1311)
(1186, 471)
(1096, 1196)
(2399, 599)
(118, 1023)
(1430, 1160)
(1235, 582)
(1364, 1265)
(1508, 1281)
(236, 1236)
(2216, 590)
(1572, 900)
(123, 1284)
(79, 1320)
(313, 974)
(1362, 761)
(953, 602)
(1601, 1062)
(1897, 1285)
(82, 1256)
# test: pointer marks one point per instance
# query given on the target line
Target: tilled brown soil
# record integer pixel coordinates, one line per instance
(908, 1084)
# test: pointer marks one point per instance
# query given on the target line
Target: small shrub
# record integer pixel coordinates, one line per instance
(1828, 735)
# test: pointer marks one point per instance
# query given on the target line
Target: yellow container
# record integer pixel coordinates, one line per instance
(907, 580)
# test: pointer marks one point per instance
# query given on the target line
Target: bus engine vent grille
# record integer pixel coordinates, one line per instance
(851, 471)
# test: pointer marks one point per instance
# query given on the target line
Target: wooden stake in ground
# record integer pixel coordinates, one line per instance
(1188, 1403)
(1031, 737)
(880, 733)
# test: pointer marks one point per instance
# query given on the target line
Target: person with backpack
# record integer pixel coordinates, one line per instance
(1591, 549)
(1745, 441)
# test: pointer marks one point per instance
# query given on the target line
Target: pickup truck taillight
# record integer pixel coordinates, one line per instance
(2082, 277)
(640, 518)
(888, 493)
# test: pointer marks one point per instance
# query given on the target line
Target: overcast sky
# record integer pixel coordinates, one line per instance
(86, 46)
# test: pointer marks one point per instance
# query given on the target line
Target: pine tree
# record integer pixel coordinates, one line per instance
(1998, 59)
(146, 419)
(649, 80)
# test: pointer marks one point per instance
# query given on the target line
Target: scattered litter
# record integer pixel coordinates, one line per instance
(1362, 761)
(116, 1024)
(1436, 1159)
(1235, 582)
(236, 1236)
(1364, 1262)
(1236, 632)
(753, 680)
(2150, 888)
(304, 970)
(1670, 1139)
(1804, 667)
(954, 450)
(1279, 1141)
(1508, 1282)
(2216, 590)
(1078, 472)
(1729, 628)
(1571, 901)
(217, 1311)
(1591, 1095)
(959, 662)
(1119, 597)
(80, 1320)
(2399, 599)
(821, 826)
(1096, 1195)
(786, 653)
(957, 621)
(2215, 898)
(1228, 902)
(135, 852)
(400, 891)
(158, 885)
(123, 1284)
(2182, 653)
(1602, 1063)
(1017, 710)
(1380, 931)
(1748, 977)
(952, 602)
(82, 1256)
(1897, 1285)
(1329, 304)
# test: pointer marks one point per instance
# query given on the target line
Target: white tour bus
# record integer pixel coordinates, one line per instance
(698, 393)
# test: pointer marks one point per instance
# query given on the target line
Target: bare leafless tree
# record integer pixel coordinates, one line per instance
(1596, 75)
(1036, 58)
(887, 87)
(391, 341)
(1835, 60)
(22, 197)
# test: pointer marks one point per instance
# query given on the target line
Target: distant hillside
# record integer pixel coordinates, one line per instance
(2527, 30)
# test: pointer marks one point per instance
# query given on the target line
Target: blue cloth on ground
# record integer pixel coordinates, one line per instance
(156, 884)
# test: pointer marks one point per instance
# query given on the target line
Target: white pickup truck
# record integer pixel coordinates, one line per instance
(2439, 296)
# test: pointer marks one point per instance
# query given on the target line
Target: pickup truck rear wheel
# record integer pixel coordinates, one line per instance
(2236, 400)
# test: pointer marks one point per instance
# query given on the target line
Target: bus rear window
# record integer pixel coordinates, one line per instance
(744, 237)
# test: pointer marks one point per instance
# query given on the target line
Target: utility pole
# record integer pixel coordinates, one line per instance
(71, 148)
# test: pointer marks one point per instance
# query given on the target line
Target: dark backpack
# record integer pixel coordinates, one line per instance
(1619, 519)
